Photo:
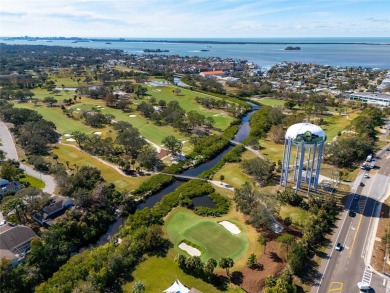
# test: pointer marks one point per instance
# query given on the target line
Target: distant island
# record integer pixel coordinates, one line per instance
(155, 51)
(291, 48)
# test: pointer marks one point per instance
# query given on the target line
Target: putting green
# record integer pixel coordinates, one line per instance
(212, 238)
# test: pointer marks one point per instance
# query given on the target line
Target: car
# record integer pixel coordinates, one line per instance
(388, 149)
(366, 176)
(356, 196)
(338, 246)
(351, 214)
(361, 184)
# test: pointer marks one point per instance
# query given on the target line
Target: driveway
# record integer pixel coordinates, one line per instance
(8, 146)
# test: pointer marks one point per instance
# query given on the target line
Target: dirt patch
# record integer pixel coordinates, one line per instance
(271, 262)
(163, 153)
(378, 261)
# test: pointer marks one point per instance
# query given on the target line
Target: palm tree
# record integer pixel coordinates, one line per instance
(263, 241)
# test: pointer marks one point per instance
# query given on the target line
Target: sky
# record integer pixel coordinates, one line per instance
(195, 18)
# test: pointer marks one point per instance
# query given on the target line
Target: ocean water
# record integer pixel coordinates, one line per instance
(266, 52)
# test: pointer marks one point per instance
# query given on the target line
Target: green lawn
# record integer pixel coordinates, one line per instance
(158, 273)
(63, 123)
(271, 150)
(214, 240)
(271, 102)
(296, 214)
(334, 124)
(34, 182)
(41, 93)
(234, 175)
(187, 101)
(74, 156)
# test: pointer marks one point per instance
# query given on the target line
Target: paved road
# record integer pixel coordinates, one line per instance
(8, 146)
(341, 271)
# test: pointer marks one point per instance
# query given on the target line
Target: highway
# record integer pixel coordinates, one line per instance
(340, 271)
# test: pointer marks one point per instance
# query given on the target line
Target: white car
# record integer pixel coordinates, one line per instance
(339, 246)
(366, 176)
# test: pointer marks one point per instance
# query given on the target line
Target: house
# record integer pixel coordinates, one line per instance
(9, 186)
(209, 74)
(15, 242)
(58, 205)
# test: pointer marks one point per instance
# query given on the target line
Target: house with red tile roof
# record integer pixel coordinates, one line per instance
(208, 74)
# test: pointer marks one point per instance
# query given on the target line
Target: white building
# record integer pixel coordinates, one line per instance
(377, 99)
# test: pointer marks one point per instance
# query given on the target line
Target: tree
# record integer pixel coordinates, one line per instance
(209, 267)
(262, 241)
(177, 91)
(138, 287)
(35, 137)
(9, 172)
(226, 263)
(10, 279)
(261, 169)
(172, 144)
(276, 133)
(297, 259)
(286, 239)
(289, 104)
(50, 101)
(16, 205)
(131, 140)
(140, 91)
(349, 150)
(162, 103)
(245, 198)
(148, 158)
(79, 137)
(261, 217)
(221, 177)
(251, 261)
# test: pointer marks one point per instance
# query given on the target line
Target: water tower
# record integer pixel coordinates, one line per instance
(302, 155)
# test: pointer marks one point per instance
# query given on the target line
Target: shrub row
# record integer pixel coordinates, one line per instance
(154, 184)
(222, 206)
(234, 155)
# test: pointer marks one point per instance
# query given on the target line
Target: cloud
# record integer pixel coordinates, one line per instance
(5, 14)
(383, 20)
(190, 18)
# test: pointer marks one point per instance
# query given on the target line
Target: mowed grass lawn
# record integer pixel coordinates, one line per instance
(271, 102)
(213, 239)
(187, 101)
(297, 215)
(75, 156)
(63, 123)
(158, 273)
(34, 182)
(232, 172)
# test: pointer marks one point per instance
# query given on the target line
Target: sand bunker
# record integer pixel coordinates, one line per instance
(67, 135)
(189, 249)
(230, 227)
(97, 133)
(132, 116)
(157, 90)
(70, 139)
(78, 109)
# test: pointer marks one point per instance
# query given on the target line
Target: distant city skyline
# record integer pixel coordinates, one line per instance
(195, 18)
